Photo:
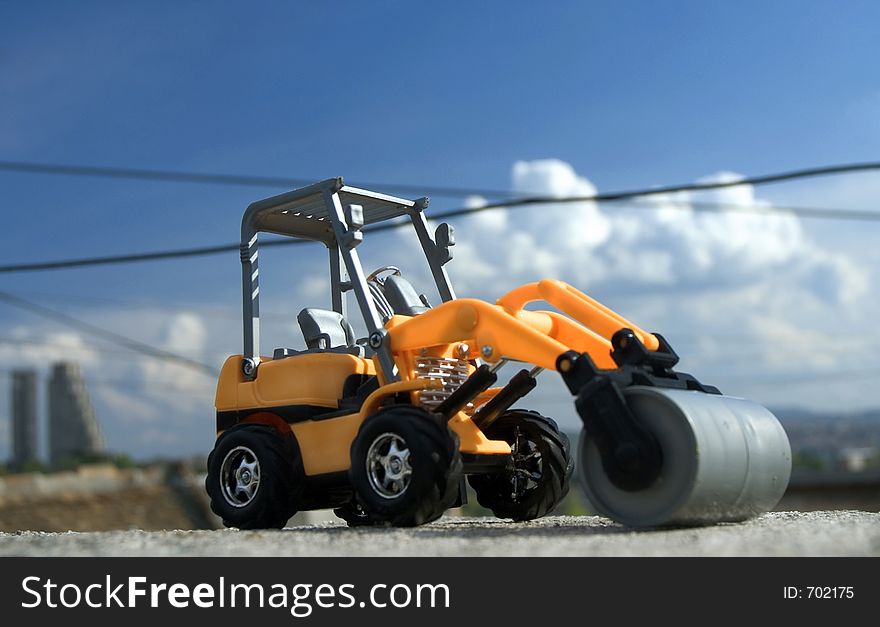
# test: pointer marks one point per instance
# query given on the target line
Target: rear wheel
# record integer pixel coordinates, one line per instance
(405, 467)
(537, 476)
(252, 477)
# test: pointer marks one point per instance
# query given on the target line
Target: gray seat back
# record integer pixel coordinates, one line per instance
(402, 296)
(323, 329)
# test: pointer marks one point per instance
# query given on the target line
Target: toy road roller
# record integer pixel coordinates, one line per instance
(385, 429)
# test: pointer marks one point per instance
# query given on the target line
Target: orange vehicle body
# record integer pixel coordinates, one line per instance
(466, 329)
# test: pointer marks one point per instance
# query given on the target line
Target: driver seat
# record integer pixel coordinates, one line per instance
(324, 331)
(402, 296)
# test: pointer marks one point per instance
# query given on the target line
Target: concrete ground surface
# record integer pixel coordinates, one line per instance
(836, 533)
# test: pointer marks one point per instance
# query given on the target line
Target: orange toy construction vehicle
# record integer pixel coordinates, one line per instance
(385, 429)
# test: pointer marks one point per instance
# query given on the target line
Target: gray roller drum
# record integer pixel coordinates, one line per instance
(724, 459)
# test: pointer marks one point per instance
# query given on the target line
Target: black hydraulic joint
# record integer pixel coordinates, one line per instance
(627, 350)
(576, 370)
(519, 385)
(630, 454)
(476, 384)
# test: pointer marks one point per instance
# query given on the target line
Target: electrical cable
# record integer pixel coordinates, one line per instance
(110, 336)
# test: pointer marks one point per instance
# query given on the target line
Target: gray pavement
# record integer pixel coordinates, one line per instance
(778, 533)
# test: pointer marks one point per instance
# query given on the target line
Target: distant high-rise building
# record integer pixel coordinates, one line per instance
(73, 429)
(24, 417)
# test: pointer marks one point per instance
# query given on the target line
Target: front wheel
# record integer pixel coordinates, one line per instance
(536, 478)
(405, 467)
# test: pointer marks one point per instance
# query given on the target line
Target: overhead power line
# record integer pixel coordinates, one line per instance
(827, 213)
(104, 334)
(203, 310)
(117, 259)
(755, 181)
(641, 195)
(763, 179)
(202, 251)
(238, 180)
(805, 212)
(250, 180)
(813, 213)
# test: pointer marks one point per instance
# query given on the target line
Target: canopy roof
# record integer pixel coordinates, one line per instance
(305, 212)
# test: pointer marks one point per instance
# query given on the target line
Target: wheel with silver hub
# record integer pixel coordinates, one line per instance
(240, 476)
(388, 466)
(254, 477)
(537, 474)
(405, 467)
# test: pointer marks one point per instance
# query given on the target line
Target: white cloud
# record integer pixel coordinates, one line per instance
(486, 221)
(184, 334)
(313, 288)
(129, 408)
(135, 396)
(742, 295)
(28, 348)
(573, 226)
(785, 343)
(668, 241)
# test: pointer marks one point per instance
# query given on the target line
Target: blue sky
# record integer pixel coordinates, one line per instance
(623, 94)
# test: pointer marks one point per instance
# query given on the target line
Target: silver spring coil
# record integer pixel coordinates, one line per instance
(452, 372)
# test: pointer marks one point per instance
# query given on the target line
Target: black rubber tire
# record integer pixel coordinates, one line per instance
(280, 481)
(354, 515)
(495, 491)
(434, 458)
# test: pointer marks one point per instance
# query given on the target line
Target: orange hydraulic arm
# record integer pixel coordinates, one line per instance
(507, 330)
(588, 311)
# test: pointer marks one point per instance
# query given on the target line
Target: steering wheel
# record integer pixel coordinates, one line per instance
(377, 293)
(374, 275)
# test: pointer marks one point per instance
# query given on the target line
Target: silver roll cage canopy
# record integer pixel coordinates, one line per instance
(334, 214)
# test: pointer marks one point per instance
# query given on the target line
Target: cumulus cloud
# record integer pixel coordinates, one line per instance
(573, 226)
(130, 408)
(165, 397)
(667, 241)
(27, 348)
(130, 390)
(184, 334)
(486, 221)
